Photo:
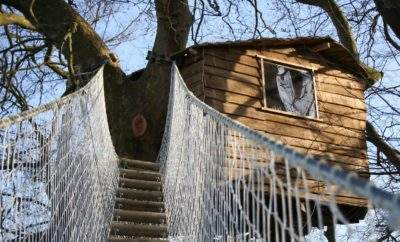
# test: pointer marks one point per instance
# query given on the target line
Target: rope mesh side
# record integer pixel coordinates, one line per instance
(222, 181)
(58, 170)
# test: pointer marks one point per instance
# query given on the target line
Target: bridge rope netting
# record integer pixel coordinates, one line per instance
(223, 181)
(58, 170)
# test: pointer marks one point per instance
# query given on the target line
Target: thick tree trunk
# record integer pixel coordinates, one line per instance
(57, 20)
(148, 97)
(173, 23)
(389, 10)
(60, 23)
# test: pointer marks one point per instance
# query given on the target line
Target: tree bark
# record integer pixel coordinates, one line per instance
(60, 23)
(375, 138)
(148, 96)
(389, 10)
(173, 24)
(55, 20)
(7, 18)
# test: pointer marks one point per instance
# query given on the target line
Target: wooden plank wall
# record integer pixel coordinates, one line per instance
(229, 80)
(191, 69)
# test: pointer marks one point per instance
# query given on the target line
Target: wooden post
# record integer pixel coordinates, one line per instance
(330, 232)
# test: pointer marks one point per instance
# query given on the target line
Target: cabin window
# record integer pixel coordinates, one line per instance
(288, 89)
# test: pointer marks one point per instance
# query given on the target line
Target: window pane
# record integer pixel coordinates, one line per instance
(289, 89)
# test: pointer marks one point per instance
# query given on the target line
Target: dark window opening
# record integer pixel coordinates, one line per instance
(289, 89)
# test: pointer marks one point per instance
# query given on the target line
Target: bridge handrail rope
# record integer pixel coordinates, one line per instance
(319, 168)
(58, 170)
(208, 145)
(221, 179)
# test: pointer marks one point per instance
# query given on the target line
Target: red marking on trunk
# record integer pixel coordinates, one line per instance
(139, 125)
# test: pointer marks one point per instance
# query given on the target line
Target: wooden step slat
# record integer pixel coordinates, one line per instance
(139, 216)
(140, 194)
(139, 184)
(138, 230)
(140, 175)
(138, 164)
(134, 239)
(139, 211)
(138, 205)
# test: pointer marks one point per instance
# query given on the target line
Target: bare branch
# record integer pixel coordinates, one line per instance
(375, 138)
(53, 66)
(339, 20)
(9, 18)
(389, 9)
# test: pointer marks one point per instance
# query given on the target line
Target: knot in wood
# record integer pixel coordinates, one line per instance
(139, 125)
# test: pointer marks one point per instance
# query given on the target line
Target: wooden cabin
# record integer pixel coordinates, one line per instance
(321, 112)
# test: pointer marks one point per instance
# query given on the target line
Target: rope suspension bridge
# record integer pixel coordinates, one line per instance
(215, 179)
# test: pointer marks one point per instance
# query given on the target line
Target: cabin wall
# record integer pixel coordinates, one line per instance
(229, 79)
(191, 69)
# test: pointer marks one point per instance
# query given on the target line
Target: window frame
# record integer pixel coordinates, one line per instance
(293, 67)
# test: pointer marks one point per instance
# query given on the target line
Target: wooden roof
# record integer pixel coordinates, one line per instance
(332, 50)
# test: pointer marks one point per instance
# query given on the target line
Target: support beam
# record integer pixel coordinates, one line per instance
(321, 47)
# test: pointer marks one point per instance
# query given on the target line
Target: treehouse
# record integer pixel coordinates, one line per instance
(306, 92)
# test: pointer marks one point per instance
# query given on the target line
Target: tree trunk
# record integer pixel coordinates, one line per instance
(60, 23)
(389, 10)
(173, 23)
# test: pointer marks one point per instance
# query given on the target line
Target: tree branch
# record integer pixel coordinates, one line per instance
(9, 18)
(389, 9)
(375, 138)
(344, 32)
(53, 66)
(339, 20)
(346, 38)
(54, 19)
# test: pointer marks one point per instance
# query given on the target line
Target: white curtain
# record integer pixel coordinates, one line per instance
(299, 98)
